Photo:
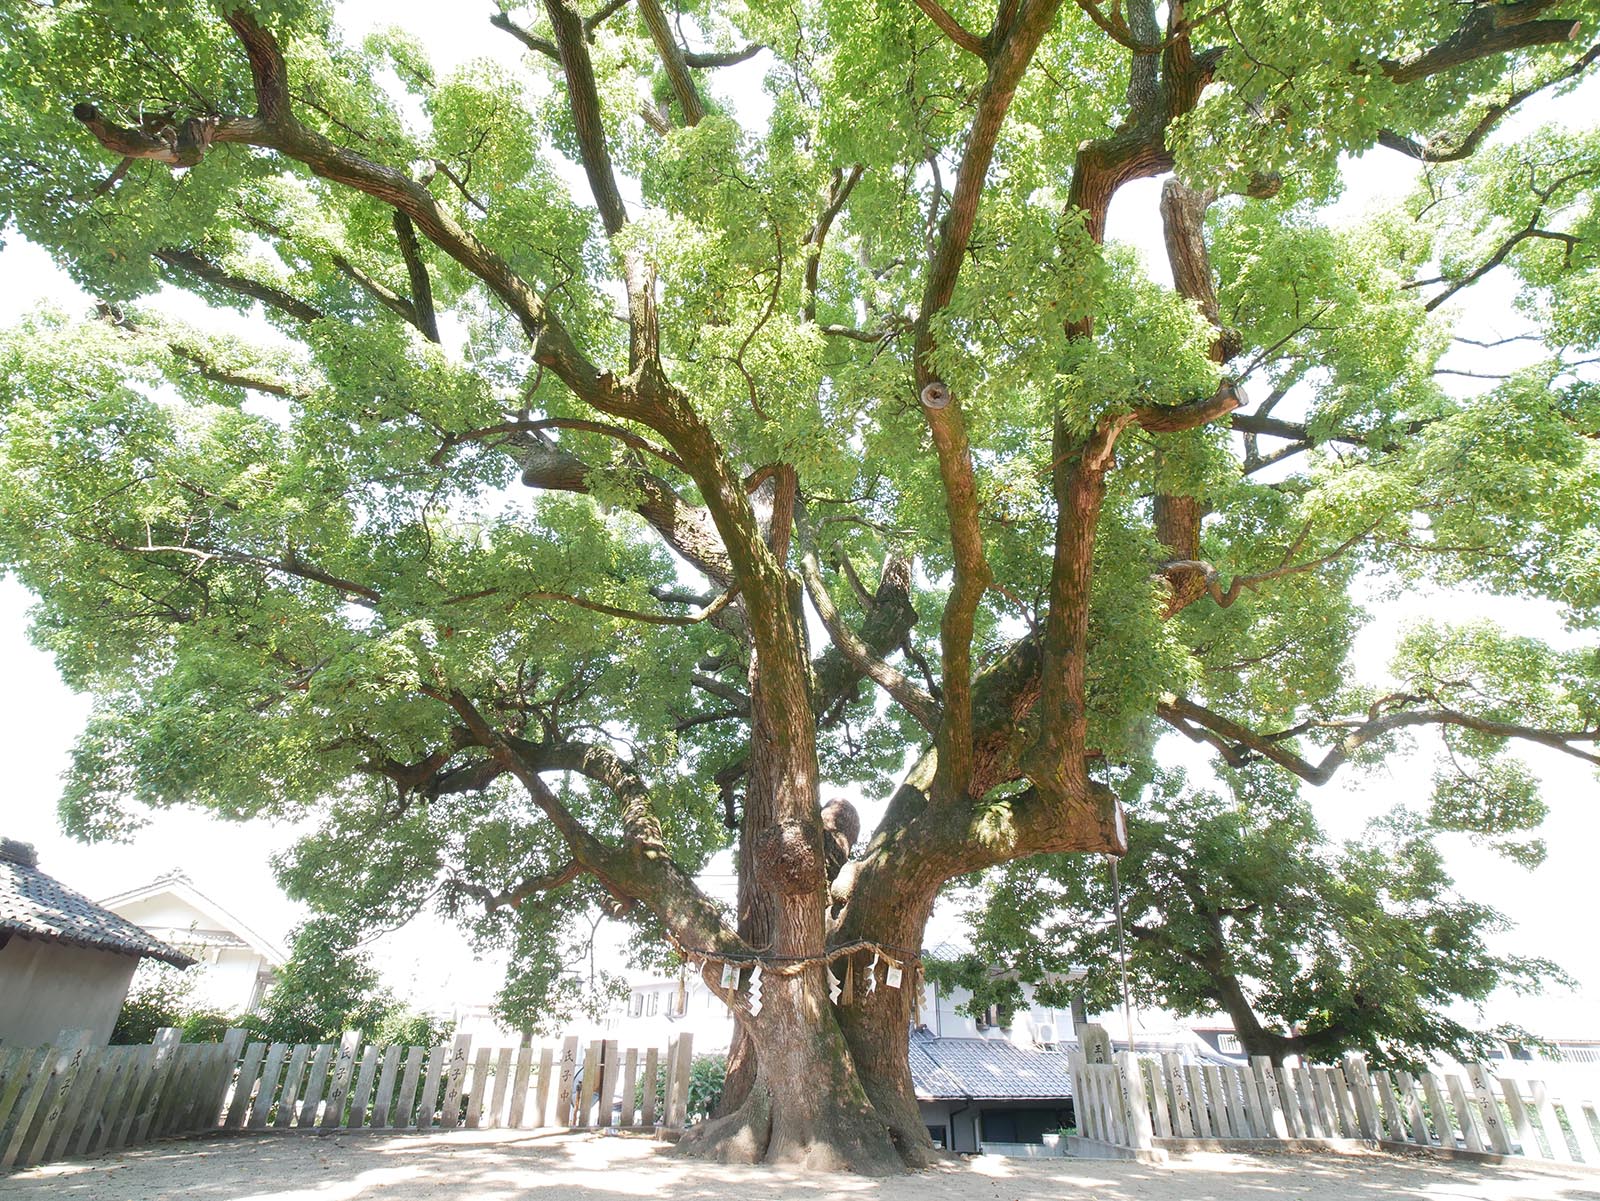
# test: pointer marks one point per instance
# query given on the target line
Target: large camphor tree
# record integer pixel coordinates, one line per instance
(618, 465)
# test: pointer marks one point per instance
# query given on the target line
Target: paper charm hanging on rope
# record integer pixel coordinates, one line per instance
(753, 994)
(833, 985)
(893, 976)
(872, 974)
(730, 975)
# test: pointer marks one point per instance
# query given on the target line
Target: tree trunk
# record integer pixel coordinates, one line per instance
(806, 1105)
(803, 1101)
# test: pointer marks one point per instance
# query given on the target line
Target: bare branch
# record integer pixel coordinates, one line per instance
(198, 265)
(904, 692)
(953, 29)
(1238, 744)
(655, 20)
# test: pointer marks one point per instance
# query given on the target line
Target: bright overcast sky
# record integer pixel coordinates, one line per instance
(40, 718)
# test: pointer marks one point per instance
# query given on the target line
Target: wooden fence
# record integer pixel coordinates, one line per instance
(73, 1099)
(1144, 1102)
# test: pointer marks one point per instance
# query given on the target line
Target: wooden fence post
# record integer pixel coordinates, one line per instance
(1355, 1071)
(480, 1072)
(1150, 1070)
(1267, 1087)
(519, 1086)
(569, 1066)
(502, 1085)
(450, 1112)
(343, 1068)
(1393, 1116)
(1141, 1134)
(234, 1118)
(610, 1068)
(256, 1117)
(588, 1085)
(630, 1097)
(547, 1074)
(404, 1115)
(680, 1061)
(1464, 1113)
(74, 1095)
(1182, 1116)
(1494, 1123)
(361, 1099)
(293, 1082)
(316, 1081)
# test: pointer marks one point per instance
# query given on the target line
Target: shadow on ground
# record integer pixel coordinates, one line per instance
(502, 1165)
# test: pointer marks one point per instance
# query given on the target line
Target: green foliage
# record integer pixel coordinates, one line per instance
(329, 986)
(707, 1076)
(162, 996)
(1237, 903)
(159, 996)
(276, 558)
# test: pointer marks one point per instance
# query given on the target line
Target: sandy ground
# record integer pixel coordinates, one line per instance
(500, 1165)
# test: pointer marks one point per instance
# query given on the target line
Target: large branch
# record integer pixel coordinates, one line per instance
(203, 365)
(686, 528)
(952, 28)
(900, 687)
(423, 315)
(1488, 29)
(943, 412)
(273, 127)
(1435, 150)
(1239, 744)
(672, 60)
(289, 565)
(638, 869)
(198, 265)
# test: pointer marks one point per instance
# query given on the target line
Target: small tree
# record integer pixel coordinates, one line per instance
(1239, 903)
(162, 995)
(159, 996)
(329, 986)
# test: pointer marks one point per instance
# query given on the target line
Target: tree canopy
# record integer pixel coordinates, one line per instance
(609, 466)
(1235, 902)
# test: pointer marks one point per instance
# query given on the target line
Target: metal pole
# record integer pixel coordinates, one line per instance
(1122, 950)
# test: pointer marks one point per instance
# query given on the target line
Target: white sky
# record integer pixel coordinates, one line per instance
(430, 964)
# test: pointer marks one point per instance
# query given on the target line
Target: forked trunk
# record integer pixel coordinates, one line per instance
(796, 1094)
(806, 1105)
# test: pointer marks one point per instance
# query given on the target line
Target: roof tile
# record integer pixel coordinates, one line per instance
(984, 1069)
(34, 905)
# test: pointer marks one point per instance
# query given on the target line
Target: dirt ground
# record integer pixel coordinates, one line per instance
(501, 1165)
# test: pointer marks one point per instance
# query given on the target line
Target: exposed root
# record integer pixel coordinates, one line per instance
(760, 1131)
(739, 1137)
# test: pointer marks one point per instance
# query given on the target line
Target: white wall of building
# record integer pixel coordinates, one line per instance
(46, 988)
(230, 975)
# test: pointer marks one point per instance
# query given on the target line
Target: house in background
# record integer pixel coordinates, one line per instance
(996, 1078)
(65, 962)
(237, 964)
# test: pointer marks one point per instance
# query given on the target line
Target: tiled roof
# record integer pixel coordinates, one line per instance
(34, 905)
(984, 1069)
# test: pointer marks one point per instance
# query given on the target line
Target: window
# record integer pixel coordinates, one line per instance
(1229, 1044)
(636, 1005)
(652, 1003)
